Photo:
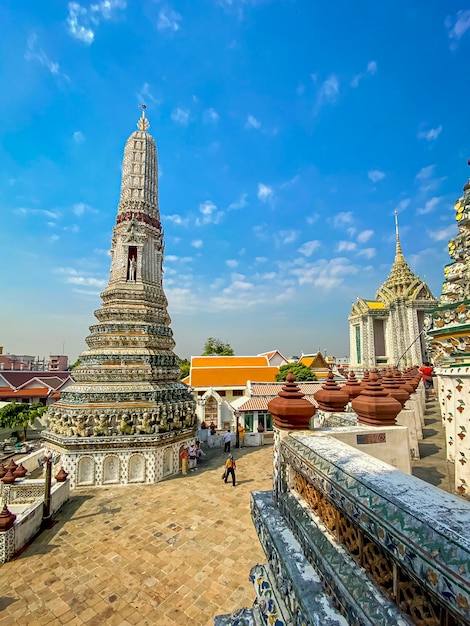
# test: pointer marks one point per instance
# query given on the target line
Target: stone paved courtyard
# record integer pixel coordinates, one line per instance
(179, 552)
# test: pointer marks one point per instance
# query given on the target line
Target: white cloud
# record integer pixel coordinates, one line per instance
(238, 204)
(443, 233)
(78, 136)
(233, 263)
(173, 258)
(197, 243)
(210, 213)
(325, 274)
(53, 238)
(402, 205)
(210, 116)
(84, 279)
(431, 134)
(261, 259)
(365, 235)
(265, 192)
(309, 247)
(82, 21)
(52, 215)
(311, 219)
(346, 246)
(268, 276)
(176, 219)
(168, 19)
(429, 206)
(342, 219)
(370, 70)
(457, 25)
(33, 53)
(328, 92)
(260, 231)
(425, 172)
(144, 95)
(368, 253)
(79, 208)
(252, 122)
(375, 175)
(180, 116)
(284, 237)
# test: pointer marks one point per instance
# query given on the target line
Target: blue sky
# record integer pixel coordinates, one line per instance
(288, 132)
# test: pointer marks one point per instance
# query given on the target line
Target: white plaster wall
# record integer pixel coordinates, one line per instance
(395, 451)
(29, 523)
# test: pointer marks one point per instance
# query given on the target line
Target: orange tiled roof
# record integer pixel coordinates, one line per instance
(307, 360)
(231, 376)
(229, 361)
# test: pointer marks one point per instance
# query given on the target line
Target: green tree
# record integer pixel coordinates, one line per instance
(216, 347)
(300, 371)
(20, 415)
(184, 366)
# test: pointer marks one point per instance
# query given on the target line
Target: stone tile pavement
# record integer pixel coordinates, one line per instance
(433, 466)
(175, 553)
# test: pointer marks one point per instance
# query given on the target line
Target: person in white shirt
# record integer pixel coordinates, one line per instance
(192, 459)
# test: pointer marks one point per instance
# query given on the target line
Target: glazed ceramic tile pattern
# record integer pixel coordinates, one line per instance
(448, 328)
(121, 421)
(421, 528)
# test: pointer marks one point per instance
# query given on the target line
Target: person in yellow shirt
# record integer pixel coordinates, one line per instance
(241, 435)
(230, 467)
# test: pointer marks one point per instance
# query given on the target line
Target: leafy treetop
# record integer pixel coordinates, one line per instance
(300, 371)
(216, 347)
(19, 415)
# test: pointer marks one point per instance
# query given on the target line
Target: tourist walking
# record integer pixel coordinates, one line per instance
(230, 467)
(199, 451)
(427, 371)
(227, 440)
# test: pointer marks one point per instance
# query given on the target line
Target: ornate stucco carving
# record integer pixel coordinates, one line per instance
(127, 383)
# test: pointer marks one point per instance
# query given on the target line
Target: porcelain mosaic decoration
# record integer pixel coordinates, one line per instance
(127, 414)
(448, 330)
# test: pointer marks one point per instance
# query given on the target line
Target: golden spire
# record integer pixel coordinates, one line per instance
(143, 123)
(401, 277)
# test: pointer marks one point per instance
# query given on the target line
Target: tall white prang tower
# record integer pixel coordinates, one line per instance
(127, 415)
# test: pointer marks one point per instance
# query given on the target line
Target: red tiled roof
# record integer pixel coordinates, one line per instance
(19, 378)
(263, 392)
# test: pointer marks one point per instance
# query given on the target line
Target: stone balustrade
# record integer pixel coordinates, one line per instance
(387, 547)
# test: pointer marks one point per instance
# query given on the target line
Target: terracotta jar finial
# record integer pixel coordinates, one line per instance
(365, 378)
(375, 407)
(352, 387)
(7, 519)
(391, 385)
(9, 477)
(12, 465)
(61, 475)
(20, 471)
(331, 397)
(289, 408)
(403, 382)
(3, 470)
